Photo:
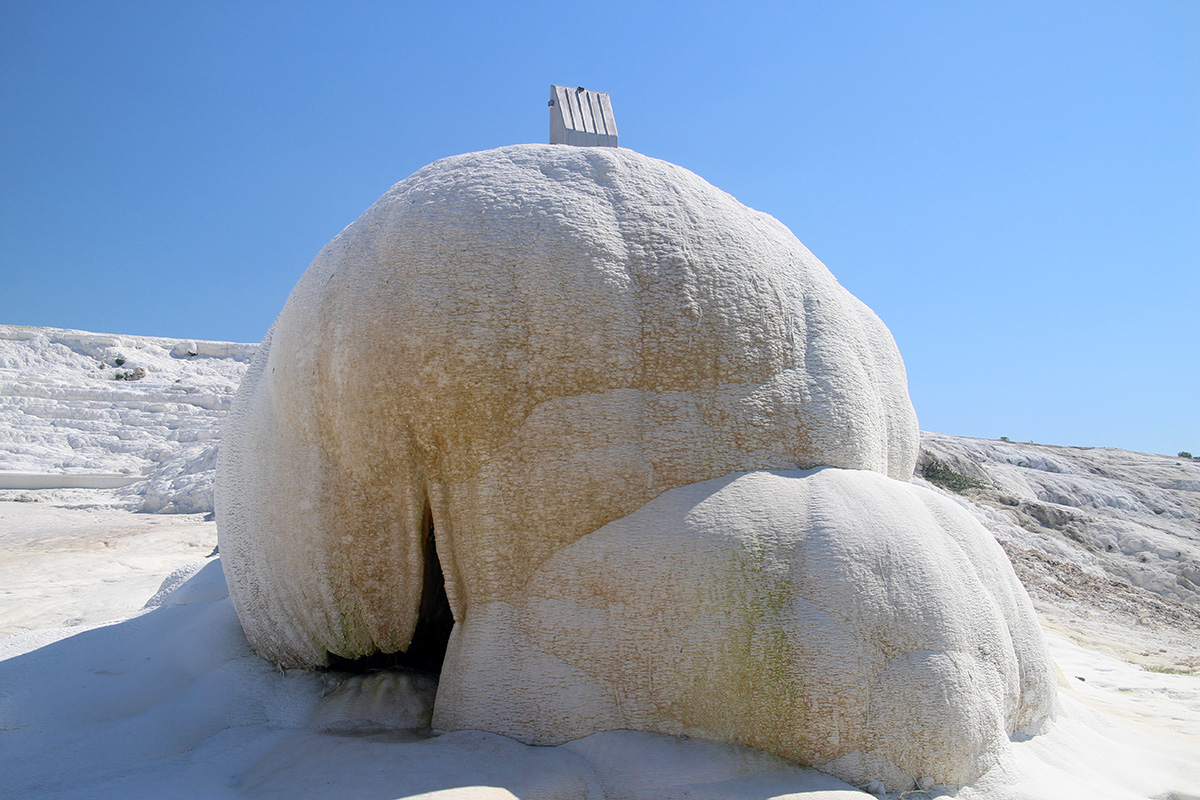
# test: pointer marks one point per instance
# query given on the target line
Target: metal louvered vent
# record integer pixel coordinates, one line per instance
(581, 117)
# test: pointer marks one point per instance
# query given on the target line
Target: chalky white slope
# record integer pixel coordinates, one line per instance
(1082, 533)
(82, 410)
(520, 349)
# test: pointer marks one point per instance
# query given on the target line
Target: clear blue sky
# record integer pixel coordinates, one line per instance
(1014, 187)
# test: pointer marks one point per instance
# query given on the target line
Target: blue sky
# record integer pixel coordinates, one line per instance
(1014, 187)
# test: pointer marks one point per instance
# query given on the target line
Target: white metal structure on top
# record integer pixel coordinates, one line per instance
(581, 117)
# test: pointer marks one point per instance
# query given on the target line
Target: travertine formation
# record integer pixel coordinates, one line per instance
(835, 617)
(501, 363)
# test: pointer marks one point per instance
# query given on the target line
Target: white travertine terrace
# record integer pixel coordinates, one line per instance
(537, 353)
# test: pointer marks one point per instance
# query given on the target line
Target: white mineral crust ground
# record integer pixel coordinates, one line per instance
(124, 671)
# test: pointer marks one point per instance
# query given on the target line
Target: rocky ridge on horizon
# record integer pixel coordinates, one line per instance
(1106, 541)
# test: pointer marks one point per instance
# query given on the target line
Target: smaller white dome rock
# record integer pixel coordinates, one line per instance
(510, 376)
(841, 619)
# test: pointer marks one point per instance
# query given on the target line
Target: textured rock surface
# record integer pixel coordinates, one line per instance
(835, 617)
(68, 414)
(1106, 541)
(526, 344)
(562, 375)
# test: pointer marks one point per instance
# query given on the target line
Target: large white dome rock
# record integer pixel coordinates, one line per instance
(520, 346)
(500, 363)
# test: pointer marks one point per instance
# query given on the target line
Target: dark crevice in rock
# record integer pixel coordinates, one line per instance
(427, 649)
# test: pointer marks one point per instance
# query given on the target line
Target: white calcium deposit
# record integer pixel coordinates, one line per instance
(85, 411)
(509, 355)
(856, 623)
(529, 343)
(105, 695)
(1113, 558)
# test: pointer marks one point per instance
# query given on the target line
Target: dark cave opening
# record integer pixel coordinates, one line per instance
(427, 649)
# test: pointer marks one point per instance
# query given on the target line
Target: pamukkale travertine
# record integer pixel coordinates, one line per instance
(594, 390)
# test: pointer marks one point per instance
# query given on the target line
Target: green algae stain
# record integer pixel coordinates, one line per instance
(747, 687)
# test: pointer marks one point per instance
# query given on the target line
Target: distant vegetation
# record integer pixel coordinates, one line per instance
(939, 473)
